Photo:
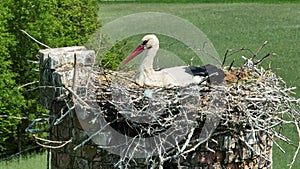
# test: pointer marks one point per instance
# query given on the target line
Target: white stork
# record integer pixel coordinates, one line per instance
(174, 76)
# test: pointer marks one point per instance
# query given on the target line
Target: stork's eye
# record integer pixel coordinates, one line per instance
(145, 42)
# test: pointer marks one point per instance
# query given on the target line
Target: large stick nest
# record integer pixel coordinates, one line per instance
(251, 102)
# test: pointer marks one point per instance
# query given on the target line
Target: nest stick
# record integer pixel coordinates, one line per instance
(259, 50)
(231, 64)
(262, 59)
(225, 57)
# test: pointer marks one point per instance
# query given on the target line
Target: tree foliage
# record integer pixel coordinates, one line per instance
(11, 100)
(116, 54)
(55, 23)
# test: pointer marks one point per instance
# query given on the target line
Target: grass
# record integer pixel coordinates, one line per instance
(201, 1)
(231, 26)
(33, 161)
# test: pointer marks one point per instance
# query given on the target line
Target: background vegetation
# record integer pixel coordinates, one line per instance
(33, 161)
(55, 23)
(202, 1)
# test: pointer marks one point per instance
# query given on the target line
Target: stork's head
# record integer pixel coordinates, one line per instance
(148, 42)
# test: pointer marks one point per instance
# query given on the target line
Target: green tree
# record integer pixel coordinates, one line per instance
(55, 23)
(11, 100)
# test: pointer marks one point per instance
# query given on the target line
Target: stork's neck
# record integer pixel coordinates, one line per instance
(146, 72)
(147, 60)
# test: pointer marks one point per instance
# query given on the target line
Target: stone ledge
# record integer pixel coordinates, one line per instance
(57, 70)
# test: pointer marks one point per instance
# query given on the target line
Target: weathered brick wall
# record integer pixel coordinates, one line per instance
(57, 75)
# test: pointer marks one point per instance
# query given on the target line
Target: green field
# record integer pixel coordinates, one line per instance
(228, 26)
(201, 1)
(231, 26)
(36, 161)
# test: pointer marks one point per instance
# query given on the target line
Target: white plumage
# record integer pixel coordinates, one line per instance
(174, 76)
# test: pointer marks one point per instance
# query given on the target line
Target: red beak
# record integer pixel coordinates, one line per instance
(137, 51)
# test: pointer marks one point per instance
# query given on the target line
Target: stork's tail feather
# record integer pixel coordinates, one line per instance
(215, 75)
